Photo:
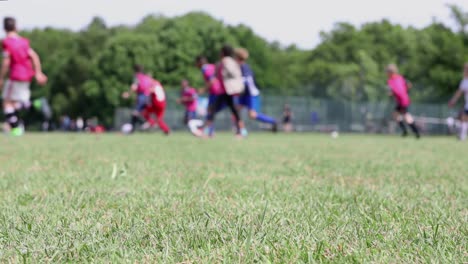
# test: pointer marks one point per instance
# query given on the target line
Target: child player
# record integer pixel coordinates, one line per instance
(463, 89)
(212, 84)
(399, 90)
(142, 85)
(156, 106)
(23, 64)
(251, 96)
(188, 98)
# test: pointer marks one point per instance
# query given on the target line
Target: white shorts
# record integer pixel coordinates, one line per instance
(16, 91)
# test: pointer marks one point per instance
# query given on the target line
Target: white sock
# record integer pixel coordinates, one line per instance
(463, 130)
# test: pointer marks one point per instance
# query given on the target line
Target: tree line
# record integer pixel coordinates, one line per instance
(89, 69)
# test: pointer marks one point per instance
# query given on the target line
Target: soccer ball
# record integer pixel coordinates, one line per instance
(194, 127)
(127, 129)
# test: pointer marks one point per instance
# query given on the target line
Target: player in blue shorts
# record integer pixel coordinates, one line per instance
(251, 97)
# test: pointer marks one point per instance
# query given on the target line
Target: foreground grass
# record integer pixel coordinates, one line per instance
(271, 198)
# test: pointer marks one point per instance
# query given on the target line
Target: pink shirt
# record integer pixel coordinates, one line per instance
(399, 89)
(219, 74)
(144, 83)
(17, 49)
(192, 93)
(209, 73)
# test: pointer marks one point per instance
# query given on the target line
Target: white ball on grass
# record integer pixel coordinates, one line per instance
(127, 129)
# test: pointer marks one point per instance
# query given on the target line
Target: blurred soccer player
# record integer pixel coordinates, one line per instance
(287, 119)
(212, 84)
(230, 74)
(251, 96)
(188, 98)
(156, 106)
(399, 90)
(23, 64)
(142, 85)
(462, 89)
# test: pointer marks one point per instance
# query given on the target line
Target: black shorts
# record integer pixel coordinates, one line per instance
(401, 109)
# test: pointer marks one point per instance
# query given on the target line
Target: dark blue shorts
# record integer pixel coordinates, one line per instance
(402, 109)
(141, 103)
(211, 102)
(251, 102)
(189, 115)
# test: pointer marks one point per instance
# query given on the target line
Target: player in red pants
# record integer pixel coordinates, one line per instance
(156, 107)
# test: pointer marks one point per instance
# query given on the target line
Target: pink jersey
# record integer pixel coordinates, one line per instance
(209, 73)
(17, 49)
(191, 93)
(399, 89)
(144, 83)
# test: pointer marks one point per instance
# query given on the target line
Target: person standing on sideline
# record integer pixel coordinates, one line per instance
(399, 90)
(463, 89)
(22, 64)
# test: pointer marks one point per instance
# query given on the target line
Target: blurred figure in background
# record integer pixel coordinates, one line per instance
(22, 64)
(251, 96)
(188, 98)
(80, 124)
(399, 90)
(141, 86)
(212, 85)
(229, 76)
(287, 119)
(156, 106)
(463, 89)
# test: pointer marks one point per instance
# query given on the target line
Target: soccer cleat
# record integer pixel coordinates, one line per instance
(404, 134)
(17, 131)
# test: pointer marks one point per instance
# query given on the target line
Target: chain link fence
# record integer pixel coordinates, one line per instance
(319, 115)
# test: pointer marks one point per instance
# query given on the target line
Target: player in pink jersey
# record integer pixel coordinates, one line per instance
(188, 98)
(141, 86)
(228, 74)
(399, 90)
(212, 85)
(22, 64)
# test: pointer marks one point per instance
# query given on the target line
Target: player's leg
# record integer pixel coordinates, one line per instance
(255, 114)
(464, 126)
(411, 123)
(215, 105)
(159, 110)
(139, 110)
(15, 95)
(230, 101)
(146, 113)
(398, 117)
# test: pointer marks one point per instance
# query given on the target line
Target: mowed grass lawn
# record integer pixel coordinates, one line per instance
(272, 198)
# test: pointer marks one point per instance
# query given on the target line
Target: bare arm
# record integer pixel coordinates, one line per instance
(36, 61)
(4, 70)
(133, 88)
(455, 97)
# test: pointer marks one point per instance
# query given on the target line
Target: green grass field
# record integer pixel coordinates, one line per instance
(271, 198)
